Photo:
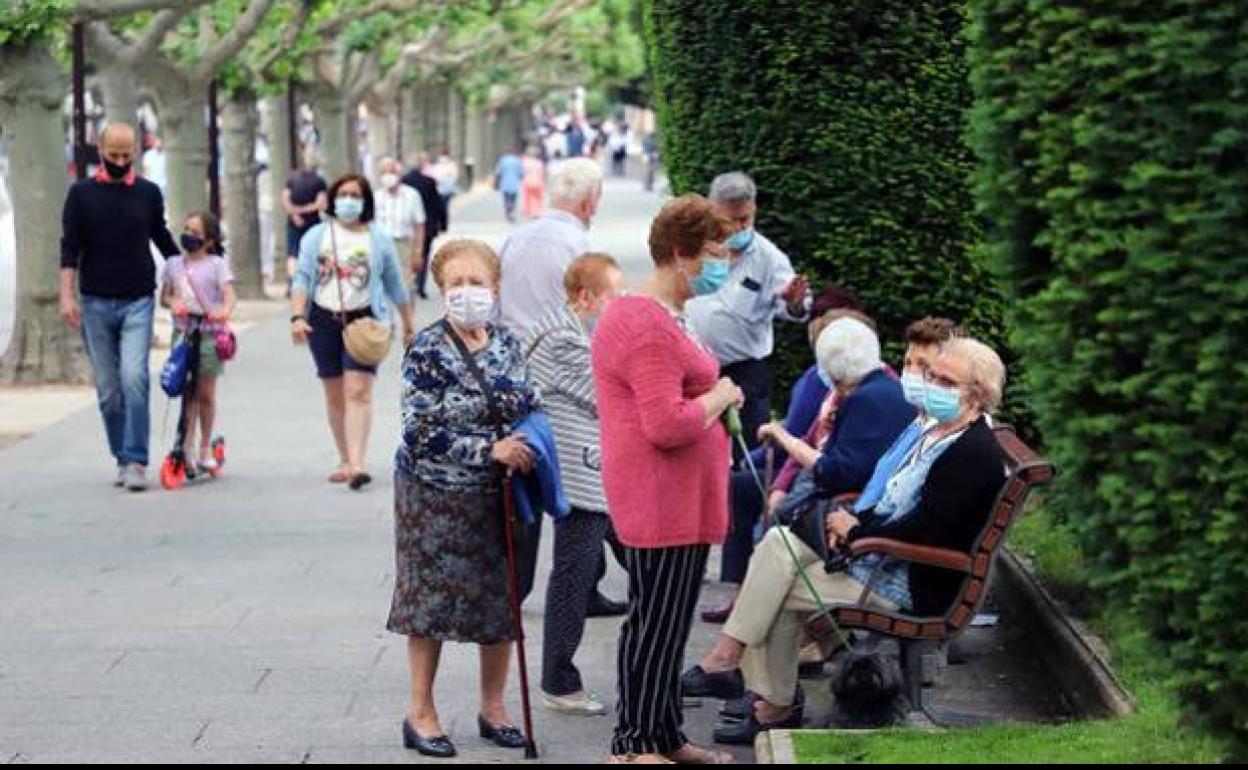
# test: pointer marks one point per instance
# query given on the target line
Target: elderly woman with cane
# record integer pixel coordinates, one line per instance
(665, 459)
(464, 382)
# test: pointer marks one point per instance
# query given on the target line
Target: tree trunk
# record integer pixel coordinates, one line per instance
(474, 145)
(184, 128)
(381, 136)
(277, 128)
(414, 139)
(121, 87)
(43, 347)
(333, 121)
(455, 130)
(238, 124)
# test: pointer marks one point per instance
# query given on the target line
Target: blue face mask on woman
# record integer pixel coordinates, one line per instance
(348, 209)
(713, 276)
(740, 241)
(942, 404)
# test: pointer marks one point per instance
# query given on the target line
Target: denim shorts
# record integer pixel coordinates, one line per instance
(328, 350)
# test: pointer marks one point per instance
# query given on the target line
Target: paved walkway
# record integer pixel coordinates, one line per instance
(243, 620)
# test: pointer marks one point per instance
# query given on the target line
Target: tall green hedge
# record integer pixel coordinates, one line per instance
(1113, 139)
(850, 115)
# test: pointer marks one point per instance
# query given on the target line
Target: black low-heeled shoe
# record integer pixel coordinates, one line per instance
(438, 746)
(697, 682)
(506, 736)
(744, 732)
(739, 709)
(359, 480)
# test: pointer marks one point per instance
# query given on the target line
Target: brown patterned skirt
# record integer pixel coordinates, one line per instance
(451, 564)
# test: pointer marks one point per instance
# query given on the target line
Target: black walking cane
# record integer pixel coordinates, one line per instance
(513, 589)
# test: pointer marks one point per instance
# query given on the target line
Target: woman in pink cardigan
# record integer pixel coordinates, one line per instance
(665, 459)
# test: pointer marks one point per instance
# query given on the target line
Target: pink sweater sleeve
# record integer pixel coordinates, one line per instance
(668, 419)
(788, 474)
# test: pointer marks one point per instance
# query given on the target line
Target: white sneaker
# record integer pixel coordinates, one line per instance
(136, 478)
(579, 703)
(120, 481)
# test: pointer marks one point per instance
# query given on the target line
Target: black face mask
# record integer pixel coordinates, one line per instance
(116, 171)
(191, 243)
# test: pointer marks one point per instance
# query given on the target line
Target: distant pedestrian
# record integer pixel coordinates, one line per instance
(401, 215)
(508, 174)
(446, 172)
(304, 199)
(435, 214)
(154, 165)
(533, 188)
(348, 270)
(109, 220)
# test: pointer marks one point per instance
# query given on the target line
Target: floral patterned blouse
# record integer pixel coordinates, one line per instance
(447, 427)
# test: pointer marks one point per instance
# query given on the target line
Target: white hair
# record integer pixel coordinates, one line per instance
(731, 188)
(848, 350)
(576, 180)
(986, 383)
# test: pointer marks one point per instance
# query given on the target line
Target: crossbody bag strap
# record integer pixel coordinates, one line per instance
(190, 281)
(333, 247)
(491, 401)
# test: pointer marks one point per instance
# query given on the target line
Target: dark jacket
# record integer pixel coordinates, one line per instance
(954, 505)
(867, 423)
(435, 207)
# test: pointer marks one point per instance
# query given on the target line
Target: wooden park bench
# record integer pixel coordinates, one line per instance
(921, 638)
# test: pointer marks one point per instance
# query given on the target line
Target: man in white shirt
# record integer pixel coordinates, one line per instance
(401, 214)
(538, 253)
(736, 321)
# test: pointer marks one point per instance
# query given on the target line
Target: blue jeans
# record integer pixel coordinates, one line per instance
(118, 336)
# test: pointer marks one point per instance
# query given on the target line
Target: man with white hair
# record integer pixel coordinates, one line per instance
(538, 253)
(401, 215)
(761, 285)
(534, 260)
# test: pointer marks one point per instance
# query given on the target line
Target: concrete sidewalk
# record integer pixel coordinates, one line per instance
(243, 620)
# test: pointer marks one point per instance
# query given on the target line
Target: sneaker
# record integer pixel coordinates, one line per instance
(136, 477)
(207, 462)
(580, 703)
(120, 481)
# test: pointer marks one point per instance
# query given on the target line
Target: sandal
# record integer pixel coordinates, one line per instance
(340, 476)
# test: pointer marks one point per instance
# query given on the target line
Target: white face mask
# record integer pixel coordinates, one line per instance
(471, 307)
(389, 180)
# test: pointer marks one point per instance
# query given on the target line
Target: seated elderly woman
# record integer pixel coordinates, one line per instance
(940, 494)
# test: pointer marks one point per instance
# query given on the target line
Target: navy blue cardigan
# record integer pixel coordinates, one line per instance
(867, 423)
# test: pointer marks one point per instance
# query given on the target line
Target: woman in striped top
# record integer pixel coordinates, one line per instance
(557, 347)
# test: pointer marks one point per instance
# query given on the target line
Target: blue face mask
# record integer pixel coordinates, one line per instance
(740, 241)
(942, 404)
(348, 209)
(912, 388)
(711, 279)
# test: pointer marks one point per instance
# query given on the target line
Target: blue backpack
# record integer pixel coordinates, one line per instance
(173, 373)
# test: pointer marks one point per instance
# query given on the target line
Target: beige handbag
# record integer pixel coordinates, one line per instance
(367, 340)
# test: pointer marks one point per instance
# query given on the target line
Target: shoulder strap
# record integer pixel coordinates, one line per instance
(333, 246)
(190, 281)
(491, 402)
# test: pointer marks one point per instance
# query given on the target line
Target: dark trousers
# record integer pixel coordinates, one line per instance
(422, 275)
(663, 586)
(754, 379)
(530, 545)
(747, 505)
(573, 578)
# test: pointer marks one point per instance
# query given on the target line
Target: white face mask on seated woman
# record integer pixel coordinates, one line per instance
(471, 307)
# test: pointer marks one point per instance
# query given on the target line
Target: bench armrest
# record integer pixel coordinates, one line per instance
(918, 554)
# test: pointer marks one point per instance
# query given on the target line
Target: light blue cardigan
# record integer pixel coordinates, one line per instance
(385, 277)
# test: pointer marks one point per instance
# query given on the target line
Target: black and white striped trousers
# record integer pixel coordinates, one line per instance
(663, 586)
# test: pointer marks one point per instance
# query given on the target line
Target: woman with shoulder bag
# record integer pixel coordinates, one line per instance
(465, 383)
(349, 270)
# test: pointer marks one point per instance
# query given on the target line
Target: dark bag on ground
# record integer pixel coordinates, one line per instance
(869, 682)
